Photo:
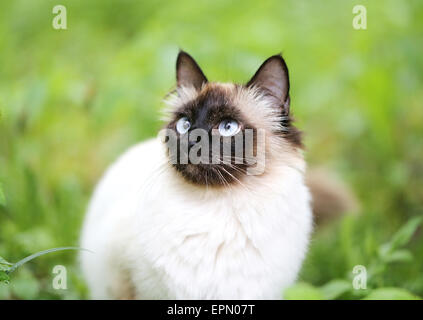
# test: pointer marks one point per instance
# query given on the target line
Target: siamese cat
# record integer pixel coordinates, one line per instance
(236, 227)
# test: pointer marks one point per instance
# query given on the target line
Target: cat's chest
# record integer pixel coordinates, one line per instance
(220, 246)
(204, 231)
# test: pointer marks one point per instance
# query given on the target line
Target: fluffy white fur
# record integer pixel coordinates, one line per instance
(155, 236)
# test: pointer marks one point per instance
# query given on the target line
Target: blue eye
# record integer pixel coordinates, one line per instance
(183, 125)
(229, 128)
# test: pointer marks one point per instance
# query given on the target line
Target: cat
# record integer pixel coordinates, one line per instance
(161, 228)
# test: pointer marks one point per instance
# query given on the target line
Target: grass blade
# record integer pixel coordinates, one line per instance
(36, 255)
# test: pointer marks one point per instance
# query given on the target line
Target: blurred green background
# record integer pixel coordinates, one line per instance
(72, 100)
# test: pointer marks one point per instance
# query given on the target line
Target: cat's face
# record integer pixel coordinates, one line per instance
(222, 133)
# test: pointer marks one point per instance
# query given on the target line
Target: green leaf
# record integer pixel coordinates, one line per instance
(402, 255)
(4, 261)
(335, 288)
(4, 265)
(303, 291)
(391, 294)
(404, 234)
(4, 269)
(400, 238)
(4, 277)
(2, 196)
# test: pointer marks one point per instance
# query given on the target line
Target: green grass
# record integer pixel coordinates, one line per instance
(72, 100)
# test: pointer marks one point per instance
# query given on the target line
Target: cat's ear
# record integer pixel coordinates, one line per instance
(188, 73)
(272, 76)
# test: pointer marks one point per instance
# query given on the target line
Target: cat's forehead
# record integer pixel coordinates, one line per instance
(210, 95)
(213, 99)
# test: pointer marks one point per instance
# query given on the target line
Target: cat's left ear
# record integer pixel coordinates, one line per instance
(273, 77)
(188, 73)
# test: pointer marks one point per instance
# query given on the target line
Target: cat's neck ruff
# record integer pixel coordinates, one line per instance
(280, 170)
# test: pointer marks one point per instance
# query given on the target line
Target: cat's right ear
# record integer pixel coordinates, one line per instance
(188, 73)
(273, 78)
